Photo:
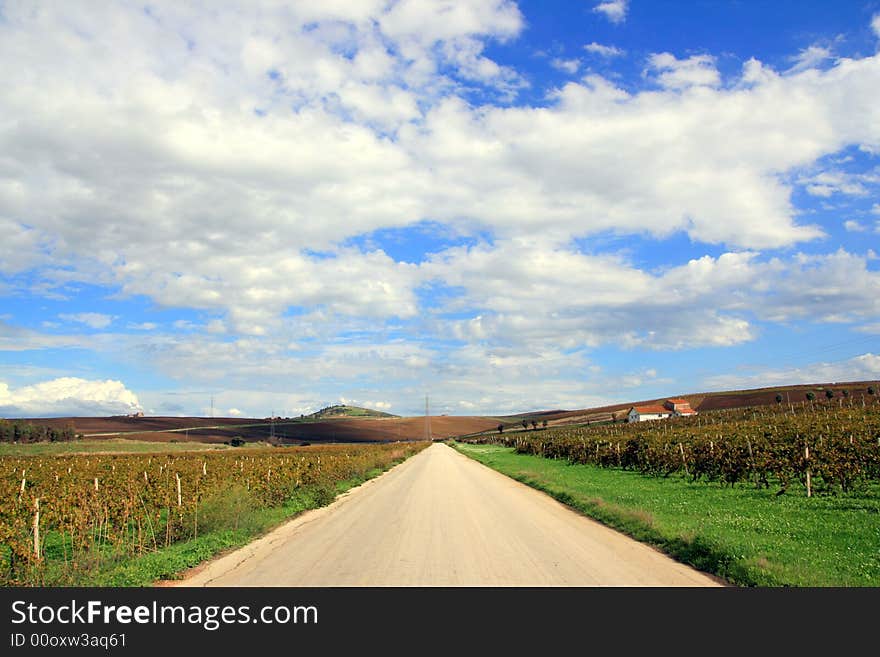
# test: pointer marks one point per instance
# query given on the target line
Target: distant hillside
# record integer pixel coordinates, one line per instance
(342, 410)
(707, 401)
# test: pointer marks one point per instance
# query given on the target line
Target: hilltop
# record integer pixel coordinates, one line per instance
(343, 410)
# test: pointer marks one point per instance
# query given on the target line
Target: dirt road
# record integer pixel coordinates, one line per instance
(442, 519)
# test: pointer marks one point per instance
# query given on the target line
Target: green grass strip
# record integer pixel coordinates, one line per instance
(749, 536)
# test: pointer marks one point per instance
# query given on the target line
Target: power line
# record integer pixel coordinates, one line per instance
(791, 356)
(427, 420)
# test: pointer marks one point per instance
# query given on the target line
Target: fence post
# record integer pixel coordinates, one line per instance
(751, 459)
(809, 482)
(37, 528)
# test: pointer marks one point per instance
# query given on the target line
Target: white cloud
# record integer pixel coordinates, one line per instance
(810, 58)
(143, 326)
(853, 226)
(67, 396)
(677, 74)
(93, 320)
(875, 24)
(249, 402)
(568, 65)
(825, 191)
(16, 338)
(366, 403)
(215, 326)
(533, 309)
(614, 10)
(256, 291)
(184, 168)
(21, 247)
(604, 51)
(532, 294)
(830, 182)
(227, 160)
(432, 20)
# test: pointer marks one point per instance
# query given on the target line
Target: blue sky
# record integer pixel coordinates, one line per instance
(508, 206)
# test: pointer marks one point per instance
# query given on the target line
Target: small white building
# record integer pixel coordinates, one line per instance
(649, 412)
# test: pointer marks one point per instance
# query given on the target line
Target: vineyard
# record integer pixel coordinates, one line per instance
(66, 511)
(822, 448)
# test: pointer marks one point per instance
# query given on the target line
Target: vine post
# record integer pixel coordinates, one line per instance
(37, 528)
(809, 481)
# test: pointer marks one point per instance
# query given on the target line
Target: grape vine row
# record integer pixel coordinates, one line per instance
(129, 504)
(827, 448)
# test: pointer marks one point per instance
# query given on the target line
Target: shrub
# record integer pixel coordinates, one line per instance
(225, 509)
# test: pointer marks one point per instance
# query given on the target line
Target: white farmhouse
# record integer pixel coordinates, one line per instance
(649, 412)
(670, 408)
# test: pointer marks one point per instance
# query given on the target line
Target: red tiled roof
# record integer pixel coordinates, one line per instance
(678, 401)
(652, 409)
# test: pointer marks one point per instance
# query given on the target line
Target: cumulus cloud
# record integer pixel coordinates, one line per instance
(853, 226)
(532, 294)
(603, 51)
(568, 65)
(235, 164)
(830, 182)
(875, 24)
(674, 73)
(67, 396)
(92, 320)
(613, 10)
(194, 149)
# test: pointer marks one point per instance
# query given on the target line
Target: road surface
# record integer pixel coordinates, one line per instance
(442, 519)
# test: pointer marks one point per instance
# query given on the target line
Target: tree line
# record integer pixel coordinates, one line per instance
(19, 431)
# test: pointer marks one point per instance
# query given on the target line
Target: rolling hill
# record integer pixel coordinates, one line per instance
(342, 423)
(343, 411)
